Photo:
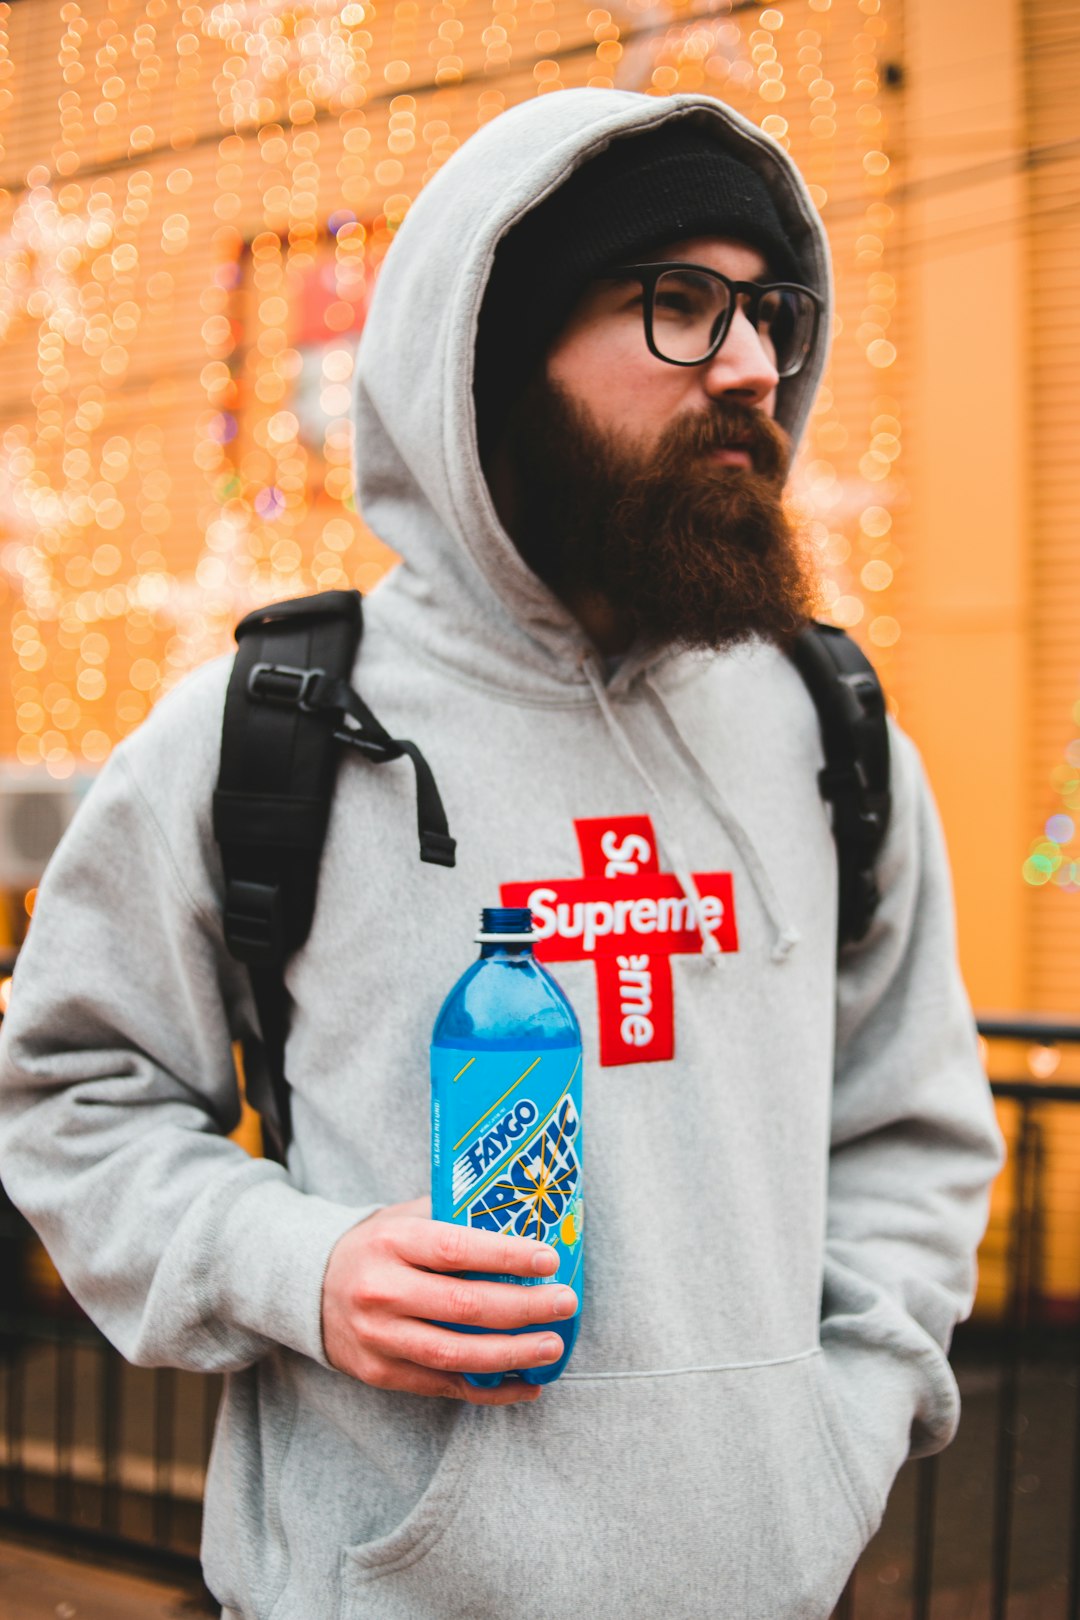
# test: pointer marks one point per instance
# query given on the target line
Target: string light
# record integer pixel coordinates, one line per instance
(219, 168)
(845, 482)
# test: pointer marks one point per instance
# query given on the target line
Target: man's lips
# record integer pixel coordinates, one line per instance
(733, 455)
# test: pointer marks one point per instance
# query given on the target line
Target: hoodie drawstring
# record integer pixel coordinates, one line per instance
(785, 934)
(679, 864)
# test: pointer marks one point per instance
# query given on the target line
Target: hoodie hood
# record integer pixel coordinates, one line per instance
(419, 480)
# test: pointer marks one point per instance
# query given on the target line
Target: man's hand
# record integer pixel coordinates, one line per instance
(386, 1287)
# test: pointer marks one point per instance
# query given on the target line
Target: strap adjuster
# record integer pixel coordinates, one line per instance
(283, 684)
(254, 926)
(844, 782)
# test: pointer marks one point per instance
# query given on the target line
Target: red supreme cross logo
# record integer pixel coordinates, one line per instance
(630, 919)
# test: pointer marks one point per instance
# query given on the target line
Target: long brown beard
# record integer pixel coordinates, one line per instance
(686, 550)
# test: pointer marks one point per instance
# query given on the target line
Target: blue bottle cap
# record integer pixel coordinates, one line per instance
(510, 925)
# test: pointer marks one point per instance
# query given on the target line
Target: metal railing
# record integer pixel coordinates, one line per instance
(115, 1455)
(991, 1527)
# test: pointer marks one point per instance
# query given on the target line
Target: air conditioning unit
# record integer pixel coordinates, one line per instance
(35, 809)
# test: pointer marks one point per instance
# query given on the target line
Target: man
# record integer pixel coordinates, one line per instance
(787, 1159)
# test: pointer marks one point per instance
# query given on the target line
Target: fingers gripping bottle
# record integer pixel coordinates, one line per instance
(506, 1112)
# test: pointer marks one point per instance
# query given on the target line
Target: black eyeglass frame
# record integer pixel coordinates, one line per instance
(649, 275)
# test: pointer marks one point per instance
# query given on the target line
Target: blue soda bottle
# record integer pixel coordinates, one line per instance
(506, 1113)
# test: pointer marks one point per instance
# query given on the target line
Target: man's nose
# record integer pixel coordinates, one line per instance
(743, 365)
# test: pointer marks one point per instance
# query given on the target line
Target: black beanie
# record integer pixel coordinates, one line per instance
(641, 191)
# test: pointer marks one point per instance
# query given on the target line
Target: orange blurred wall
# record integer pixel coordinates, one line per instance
(963, 670)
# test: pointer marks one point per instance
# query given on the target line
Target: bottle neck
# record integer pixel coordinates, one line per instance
(506, 948)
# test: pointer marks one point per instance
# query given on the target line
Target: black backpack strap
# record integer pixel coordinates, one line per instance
(288, 709)
(851, 710)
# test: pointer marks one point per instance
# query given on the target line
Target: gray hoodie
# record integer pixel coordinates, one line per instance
(787, 1163)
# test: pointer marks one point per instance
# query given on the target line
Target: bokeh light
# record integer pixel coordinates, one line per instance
(187, 265)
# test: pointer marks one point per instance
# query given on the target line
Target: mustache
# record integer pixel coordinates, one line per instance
(728, 425)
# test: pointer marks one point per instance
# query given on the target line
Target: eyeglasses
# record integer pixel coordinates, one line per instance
(688, 310)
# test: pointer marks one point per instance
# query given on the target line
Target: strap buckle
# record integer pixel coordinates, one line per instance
(284, 684)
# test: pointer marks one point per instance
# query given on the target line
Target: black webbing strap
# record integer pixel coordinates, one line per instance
(288, 709)
(851, 711)
(375, 743)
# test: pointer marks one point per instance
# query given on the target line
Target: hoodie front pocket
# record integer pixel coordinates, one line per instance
(369, 1480)
(683, 1494)
(840, 1445)
(427, 1520)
